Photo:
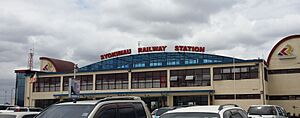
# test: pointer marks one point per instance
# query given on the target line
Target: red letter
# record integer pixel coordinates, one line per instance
(202, 49)
(176, 48)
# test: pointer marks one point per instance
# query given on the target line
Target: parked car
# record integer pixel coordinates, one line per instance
(158, 112)
(24, 109)
(18, 114)
(4, 106)
(214, 111)
(263, 111)
(111, 107)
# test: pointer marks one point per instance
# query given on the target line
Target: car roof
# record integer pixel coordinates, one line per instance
(206, 109)
(262, 105)
(167, 108)
(94, 102)
(88, 102)
(210, 109)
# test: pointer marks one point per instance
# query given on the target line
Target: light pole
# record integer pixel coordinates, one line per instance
(11, 96)
(234, 86)
(5, 92)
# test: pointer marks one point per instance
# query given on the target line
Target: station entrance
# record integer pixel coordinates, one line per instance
(190, 100)
(155, 102)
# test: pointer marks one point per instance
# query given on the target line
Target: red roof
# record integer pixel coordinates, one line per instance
(60, 65)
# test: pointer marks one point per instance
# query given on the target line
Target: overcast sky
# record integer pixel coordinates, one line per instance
(81, 30)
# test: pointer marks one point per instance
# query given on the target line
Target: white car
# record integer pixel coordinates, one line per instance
(18, 114)
(158, 112)
(214, 111)
(266, 111)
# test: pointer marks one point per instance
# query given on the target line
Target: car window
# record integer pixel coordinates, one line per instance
(140, 111)
(190, 115)
(161, 111)
(67, 111)
(243, 113)
(107, 111)
(227, 114)
(29, 116)
(262, 110)
(154, 112)
(235, 113)
(283, 111)
(279, 111)
(126, 110)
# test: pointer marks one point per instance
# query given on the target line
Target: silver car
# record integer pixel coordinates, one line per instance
(112, 107)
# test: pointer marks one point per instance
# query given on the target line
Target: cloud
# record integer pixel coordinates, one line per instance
(80, 31)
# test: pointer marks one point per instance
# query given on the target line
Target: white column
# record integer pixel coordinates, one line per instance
(212, 77)
(168, 79)
(61, 84)
(129, 80)
(170, 100)
(94, 82)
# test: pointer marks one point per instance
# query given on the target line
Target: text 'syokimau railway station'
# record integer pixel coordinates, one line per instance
(185, 76)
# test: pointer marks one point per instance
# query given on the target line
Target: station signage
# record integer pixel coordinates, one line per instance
(115, 54)
(152, 49)
(177, 48)
(286, 52)
(190, 48)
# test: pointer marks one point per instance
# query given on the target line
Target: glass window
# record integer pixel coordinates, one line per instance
(190, 77)
(112, 81)
(140, 112)
(243, 113)
(279, 111)
(155, 79)
(262, 110)
(230, 73)
(226, 70)
(173, 78)
(108, 113)
(47, 84)
(127, 112)
(67, 111)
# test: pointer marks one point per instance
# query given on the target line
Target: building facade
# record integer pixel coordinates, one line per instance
(178, 79)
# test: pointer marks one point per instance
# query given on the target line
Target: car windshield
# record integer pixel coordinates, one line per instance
(67, 111)
(161, 111)
(262, 110)
(190, 115)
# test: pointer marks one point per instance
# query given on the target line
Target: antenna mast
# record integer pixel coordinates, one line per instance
(30, 59)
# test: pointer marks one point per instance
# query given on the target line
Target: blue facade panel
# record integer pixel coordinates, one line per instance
(20, 89)
(164, 59)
